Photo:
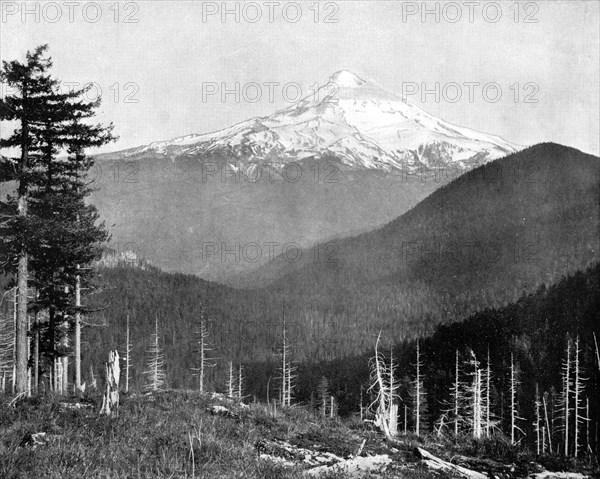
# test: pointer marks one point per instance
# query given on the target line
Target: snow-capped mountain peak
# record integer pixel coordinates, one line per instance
(346, 79)
(349, 119)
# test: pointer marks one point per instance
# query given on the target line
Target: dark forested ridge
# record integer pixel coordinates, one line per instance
(511, 224)
(535, 330)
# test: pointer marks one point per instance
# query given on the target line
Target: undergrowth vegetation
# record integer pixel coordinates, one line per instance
(178, 434)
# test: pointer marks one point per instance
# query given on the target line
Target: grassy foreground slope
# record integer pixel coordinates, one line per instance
(176, 434)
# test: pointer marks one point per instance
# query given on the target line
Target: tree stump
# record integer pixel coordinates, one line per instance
(110, 401)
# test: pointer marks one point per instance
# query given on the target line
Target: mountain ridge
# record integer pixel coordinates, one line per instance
(345, 160)
(354, 121)
(451, 214)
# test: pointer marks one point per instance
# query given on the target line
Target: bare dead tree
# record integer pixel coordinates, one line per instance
(393, 394)
(419, 392)
(565, 397)
(587, 424)
(128, 349)
(514, 415)
(474, 392)
(456, 395)
(487, 398)
(230, 381)
(202, 351)
(240, 382)
(155, 367)
(578, 391)
(323, 394)
(538, 421)
(385, 393)
(93, 382)
(456, 408)
(284, 365)
(291, 377)
(548, 427)
(287, 370)
(597, 352)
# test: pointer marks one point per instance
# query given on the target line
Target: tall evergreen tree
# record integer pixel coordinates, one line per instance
(54, 233)
(29, 107)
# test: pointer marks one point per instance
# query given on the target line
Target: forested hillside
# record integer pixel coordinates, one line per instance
(534, 330)
(335, 309)
(504, 227)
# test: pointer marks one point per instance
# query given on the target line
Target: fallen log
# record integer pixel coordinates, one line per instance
(558, 475)
(355, 467)
(490, 466)
(298, 455)
(436, 463)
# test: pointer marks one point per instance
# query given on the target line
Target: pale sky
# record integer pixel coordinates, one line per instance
(164, 59)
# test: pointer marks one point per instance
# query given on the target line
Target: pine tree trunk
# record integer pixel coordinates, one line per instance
(20, 378)
(14, 345)
(77, 335)
(65, 369)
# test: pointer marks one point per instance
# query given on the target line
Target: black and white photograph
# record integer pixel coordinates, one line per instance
(299, 239)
